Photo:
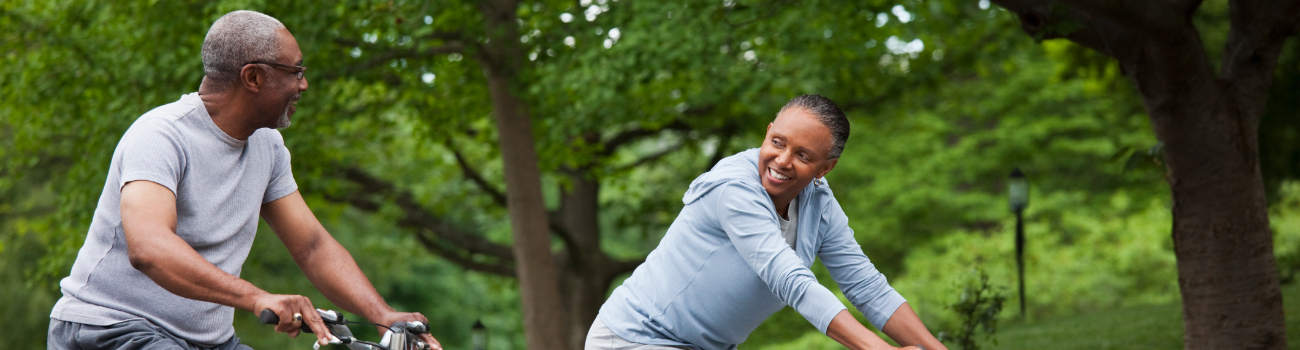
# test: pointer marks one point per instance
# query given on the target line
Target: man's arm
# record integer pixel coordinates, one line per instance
(328, 265)
(149, 224)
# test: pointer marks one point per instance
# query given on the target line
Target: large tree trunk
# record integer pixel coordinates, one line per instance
(1226, 269)
(586, 271)
(583, 268)
(535, 265)
(1208, 124)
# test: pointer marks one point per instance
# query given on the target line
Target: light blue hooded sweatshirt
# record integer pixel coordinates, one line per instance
(723, 266)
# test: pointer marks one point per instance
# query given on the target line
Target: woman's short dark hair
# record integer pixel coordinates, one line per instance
(829, 114)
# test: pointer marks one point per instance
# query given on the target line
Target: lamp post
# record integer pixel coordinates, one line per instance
(478, 335)
(1018, 193)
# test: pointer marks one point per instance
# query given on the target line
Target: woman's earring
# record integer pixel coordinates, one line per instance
(817, 182)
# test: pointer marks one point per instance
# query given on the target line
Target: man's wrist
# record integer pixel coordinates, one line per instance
(251, 299)
(377, 313)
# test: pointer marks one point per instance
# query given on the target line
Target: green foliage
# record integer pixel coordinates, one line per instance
(1151, 326)
(977, 308)
(1285, 218)
(945, 98)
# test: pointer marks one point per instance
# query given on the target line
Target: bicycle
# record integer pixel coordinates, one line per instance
(403, 334)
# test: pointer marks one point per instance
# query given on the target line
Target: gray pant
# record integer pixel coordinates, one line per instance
(601, 338)
(125, 335)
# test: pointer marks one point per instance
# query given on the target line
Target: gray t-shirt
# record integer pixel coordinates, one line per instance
(220, 184)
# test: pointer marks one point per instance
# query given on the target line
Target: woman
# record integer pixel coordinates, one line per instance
(741, 248)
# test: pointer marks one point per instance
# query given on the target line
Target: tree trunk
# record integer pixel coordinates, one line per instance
(1224, 247)
(1226, 269)
(535, 265)
(1209, 125)
(585, 268)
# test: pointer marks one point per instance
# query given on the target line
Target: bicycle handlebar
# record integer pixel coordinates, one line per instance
(397, 334)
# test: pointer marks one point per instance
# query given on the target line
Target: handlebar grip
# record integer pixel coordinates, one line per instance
(269, 317)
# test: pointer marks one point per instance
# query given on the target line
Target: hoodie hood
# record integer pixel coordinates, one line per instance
(741, 166)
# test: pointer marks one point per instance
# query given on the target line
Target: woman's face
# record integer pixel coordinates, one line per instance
(795, 152)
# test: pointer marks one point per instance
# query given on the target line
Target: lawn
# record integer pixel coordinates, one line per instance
(1135, 327)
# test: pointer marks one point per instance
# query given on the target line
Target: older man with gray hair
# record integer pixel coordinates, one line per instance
(178, 213)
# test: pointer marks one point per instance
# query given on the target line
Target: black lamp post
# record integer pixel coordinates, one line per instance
(478, 335)
(1018, 193)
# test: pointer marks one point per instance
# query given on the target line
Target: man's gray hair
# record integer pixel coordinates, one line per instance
(235, 39)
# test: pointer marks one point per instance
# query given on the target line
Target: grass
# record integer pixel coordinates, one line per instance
(1134, 327)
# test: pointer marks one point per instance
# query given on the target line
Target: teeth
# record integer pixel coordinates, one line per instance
(776, 175)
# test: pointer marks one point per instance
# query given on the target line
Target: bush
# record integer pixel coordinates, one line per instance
(977, 309)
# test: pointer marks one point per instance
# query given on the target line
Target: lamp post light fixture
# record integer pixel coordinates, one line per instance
(1018, 195)
(478, 335)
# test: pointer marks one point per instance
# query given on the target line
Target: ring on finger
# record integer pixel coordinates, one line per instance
(297, 317)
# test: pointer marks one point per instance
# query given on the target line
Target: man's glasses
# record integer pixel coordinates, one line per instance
(297, 71)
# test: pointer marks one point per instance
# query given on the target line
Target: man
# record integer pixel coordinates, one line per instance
(741, 248)
(178, 213)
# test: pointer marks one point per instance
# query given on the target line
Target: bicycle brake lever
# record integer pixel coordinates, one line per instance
(417, 327)
(332, 341)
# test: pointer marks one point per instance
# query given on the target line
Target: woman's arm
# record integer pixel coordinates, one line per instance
(906, 328)
(745, 215)
(866, 287)
(848, 332)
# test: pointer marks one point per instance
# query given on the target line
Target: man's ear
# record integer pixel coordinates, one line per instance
(251, 78)
(826, 169)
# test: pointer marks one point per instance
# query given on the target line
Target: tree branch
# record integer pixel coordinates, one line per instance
(1158, 18)
(633, 135)
(416, 217)
(1049, 20)
(503, 269)
(1259, 29)
(652, 157)
(396, 53)
(497, 196)
(385, 54)
(566, 236)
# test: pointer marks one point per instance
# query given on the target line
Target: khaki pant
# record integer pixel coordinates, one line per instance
(601, 338)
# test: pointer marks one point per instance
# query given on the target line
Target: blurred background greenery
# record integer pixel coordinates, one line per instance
(945, 98)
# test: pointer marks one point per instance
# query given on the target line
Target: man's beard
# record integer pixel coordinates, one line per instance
(283, 121)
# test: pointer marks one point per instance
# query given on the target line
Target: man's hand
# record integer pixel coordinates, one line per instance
(387, 319)
(294, 311)
(329, 266)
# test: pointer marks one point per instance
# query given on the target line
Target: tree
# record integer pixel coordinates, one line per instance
(628, 101)
(1208, 122)
(668, 93)
(668, 79)
(583, 150)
